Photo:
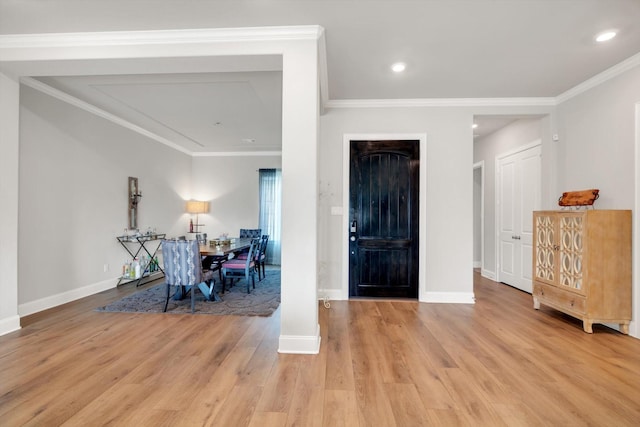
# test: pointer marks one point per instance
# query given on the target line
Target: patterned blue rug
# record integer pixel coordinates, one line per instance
(262, 301)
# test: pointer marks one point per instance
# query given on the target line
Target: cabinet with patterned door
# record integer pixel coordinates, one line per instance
(582, 265)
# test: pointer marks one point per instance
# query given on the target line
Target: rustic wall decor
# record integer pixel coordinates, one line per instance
(134, 198)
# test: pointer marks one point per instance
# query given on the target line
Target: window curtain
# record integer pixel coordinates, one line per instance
(270, 205)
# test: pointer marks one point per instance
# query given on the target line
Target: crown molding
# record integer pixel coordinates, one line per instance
(600, 78)
(442, 102)
(125, 38)
(237, 154)
(610, 73)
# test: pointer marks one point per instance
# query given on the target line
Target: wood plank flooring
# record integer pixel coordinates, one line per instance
(382, 363)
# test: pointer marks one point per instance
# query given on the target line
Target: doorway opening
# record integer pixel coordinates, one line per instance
(494, 137)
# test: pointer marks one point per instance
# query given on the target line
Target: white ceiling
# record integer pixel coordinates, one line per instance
(453, 49)
(204, 112)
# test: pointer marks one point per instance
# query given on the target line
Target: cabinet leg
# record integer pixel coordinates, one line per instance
(536, 303)
(624, 328)
(587, 325)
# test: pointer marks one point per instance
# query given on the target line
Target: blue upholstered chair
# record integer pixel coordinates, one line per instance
(239, 268)
(251, 233)
(259, 255)
(183, 269)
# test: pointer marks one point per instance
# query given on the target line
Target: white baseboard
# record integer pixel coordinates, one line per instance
(332, 294)
(300, 344)
(634, 330)
(65, 297)
(477, 264)
(449, 297)
(440, 297)
(488, 274)
(9, 324)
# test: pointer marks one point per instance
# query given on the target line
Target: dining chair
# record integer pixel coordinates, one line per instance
(183, 269)
(239, 268)
(250, 233)
(259, 256)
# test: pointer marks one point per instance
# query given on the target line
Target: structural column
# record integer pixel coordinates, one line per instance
(9, 159)
(299, 331)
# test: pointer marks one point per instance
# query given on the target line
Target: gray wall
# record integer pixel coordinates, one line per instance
(596, 147)
(231, 184)
(73, 195)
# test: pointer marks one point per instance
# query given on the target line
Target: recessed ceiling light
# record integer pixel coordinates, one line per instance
(605, 35)
(398, 67)
(474, 126)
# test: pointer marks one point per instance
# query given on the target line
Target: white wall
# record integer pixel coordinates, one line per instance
(231, 185)
(597, 150)
(512, 136)
(597, 141)
(73, 198)
(448, 191)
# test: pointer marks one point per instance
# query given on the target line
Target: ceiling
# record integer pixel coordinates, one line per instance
(452, 48)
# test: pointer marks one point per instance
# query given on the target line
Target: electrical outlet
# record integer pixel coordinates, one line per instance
(106, 268)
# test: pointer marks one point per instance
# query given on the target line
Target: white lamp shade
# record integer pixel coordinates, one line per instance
(197, 207)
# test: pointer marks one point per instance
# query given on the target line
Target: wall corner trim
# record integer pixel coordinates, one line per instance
(449, 297)
(601, 78)
(10, 324)
(300, 344)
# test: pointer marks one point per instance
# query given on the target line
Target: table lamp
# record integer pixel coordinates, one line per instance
(197, 207)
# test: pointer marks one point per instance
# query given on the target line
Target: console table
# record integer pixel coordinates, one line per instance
(142, 244)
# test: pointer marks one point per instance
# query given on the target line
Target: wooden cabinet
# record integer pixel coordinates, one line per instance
(582, 265)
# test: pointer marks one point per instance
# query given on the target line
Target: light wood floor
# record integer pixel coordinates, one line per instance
(382, 363)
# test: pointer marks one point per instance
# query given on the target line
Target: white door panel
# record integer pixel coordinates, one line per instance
(507, 259)
(518, 181)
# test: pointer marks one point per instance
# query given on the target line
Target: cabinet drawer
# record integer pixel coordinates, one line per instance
(559, 298)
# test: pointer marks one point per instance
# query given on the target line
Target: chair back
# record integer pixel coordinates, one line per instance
(201, 238)
(262, 252)
(253, 249)
(250, 232)
(182, 264)
(242, 263)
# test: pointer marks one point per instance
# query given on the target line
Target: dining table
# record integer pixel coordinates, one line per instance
(214, 252)
(213, 249)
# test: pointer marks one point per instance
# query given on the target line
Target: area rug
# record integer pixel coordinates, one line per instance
(262, 301)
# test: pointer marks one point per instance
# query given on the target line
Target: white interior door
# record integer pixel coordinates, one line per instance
(518, 182)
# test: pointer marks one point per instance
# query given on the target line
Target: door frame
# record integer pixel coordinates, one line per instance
(498, 218)
(422, 214)
(480, 165)
(634, 327)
